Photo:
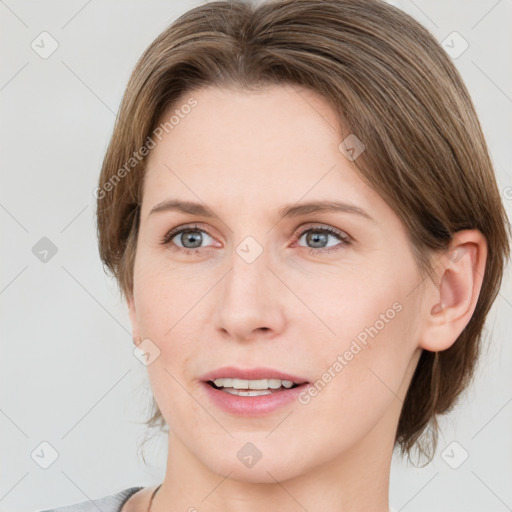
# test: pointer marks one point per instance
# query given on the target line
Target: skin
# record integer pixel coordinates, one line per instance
(245, 155)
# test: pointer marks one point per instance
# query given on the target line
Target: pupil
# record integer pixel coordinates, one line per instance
(191, 236)
(314, 238)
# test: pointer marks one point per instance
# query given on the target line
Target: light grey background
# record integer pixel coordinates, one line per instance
(68, 374)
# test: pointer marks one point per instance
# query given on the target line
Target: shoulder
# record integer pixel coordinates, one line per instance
(111, 503)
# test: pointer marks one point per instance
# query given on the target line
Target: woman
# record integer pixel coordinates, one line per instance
(300, 209)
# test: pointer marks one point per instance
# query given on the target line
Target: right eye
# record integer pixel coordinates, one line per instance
(185, 235)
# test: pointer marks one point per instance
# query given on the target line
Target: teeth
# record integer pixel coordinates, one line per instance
(256, 392)
(252, 384)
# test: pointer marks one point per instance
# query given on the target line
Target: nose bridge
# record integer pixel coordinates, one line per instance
(248, 278)
(248, 295)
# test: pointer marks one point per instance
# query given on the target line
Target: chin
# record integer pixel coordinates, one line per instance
(261, 473)
(243, 462)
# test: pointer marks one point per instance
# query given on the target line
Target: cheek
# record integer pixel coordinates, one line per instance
(359, 377)
(353, 304)
(164, 293)
(169, 387)
(370, 321)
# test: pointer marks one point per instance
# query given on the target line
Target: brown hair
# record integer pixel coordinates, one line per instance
(390, 83)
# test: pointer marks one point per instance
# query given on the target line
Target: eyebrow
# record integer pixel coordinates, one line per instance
(287, 211)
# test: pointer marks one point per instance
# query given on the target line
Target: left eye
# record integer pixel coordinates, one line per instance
(319, 235)
(192, 237)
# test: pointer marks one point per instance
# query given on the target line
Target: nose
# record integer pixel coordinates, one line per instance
(248, 302)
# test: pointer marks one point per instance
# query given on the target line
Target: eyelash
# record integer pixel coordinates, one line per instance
(344, 239)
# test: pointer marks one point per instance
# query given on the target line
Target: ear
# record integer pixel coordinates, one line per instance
(454, 298)
(133, 319)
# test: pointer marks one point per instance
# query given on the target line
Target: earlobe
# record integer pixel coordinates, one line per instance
(133, 319)
(460, 280)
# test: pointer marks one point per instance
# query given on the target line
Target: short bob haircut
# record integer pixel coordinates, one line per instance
(391, 84)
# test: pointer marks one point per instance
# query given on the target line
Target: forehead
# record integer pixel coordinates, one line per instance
(277, 144)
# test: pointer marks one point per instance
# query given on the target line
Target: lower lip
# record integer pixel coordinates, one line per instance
(252, 405)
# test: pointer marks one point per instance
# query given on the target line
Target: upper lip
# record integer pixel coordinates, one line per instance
(231, 372)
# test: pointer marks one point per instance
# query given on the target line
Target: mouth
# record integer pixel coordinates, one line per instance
(245, 387)
(251, 392)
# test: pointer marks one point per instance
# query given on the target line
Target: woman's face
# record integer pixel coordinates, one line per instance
(249, 288)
